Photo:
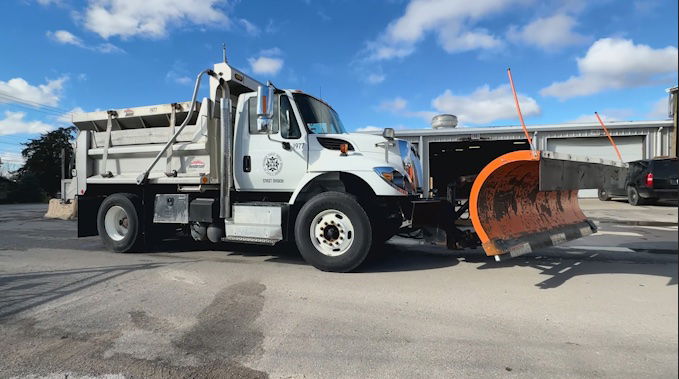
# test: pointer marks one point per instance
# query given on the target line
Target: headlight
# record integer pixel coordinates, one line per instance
(393, 177)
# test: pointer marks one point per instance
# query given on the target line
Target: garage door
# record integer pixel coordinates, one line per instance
(631, 148)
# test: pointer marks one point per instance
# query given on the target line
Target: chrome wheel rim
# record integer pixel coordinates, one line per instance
(116, 223)
(332, 232)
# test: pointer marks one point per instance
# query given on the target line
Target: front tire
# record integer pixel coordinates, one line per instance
(333, 232)
(118, 222)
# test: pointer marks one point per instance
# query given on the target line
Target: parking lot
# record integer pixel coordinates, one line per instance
(604, 306)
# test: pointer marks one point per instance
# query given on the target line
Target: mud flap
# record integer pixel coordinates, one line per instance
(524, 200)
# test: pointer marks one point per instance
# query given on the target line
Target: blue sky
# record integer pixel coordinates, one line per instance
(386, 63)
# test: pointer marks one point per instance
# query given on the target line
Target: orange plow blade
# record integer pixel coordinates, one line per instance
(526, 200)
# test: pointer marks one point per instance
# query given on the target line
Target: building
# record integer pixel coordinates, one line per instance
(449, 153)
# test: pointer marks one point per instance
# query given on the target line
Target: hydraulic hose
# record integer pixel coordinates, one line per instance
(144, 175)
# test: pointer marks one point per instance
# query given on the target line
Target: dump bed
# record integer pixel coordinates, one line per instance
(114, 146)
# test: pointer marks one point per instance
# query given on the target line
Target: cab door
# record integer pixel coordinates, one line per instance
(270, 162)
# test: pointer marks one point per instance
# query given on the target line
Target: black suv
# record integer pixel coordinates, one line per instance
(647, 180)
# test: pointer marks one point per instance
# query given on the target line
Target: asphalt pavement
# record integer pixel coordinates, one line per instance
(601, 306)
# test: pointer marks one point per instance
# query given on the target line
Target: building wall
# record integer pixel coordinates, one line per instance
(655, 137)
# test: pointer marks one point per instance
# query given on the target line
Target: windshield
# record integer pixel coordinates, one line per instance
(318, 117)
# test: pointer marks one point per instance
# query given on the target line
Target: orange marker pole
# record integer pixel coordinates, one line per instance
(608, 135)
(518, 109)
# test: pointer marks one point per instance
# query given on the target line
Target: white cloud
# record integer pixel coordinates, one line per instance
(614, 63)
(179, 73)
(373, 128)
(66, 117)
(67, 38)
(485, 105)
(183, 80)
(607, 115)
(548, 33)
(396, 105)
(369, 128)
(44, 94)
(266, 65)
(272, 52)
(660, 109)
(14, 123)
(249, 27)
(466, 41)
(107, 48)
(453, 21)
(375, 78)
(150, 18)
(399, 106)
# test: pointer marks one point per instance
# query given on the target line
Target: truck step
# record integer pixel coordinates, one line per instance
(254, 240)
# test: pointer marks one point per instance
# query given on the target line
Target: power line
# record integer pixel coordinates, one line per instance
(31, 108)
(12, 98)
(33, 105)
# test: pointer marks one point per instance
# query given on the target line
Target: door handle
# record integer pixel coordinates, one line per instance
(246, 163)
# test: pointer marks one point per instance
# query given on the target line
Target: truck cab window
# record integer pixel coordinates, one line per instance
(288, 122)
(318, 117)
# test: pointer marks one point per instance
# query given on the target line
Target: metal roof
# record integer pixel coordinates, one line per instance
(532, 128)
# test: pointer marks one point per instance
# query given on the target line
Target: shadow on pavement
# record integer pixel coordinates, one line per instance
(23, 291)
(391, 258)
(559, 268)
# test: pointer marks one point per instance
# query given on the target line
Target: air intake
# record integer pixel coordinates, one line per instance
(333, 143)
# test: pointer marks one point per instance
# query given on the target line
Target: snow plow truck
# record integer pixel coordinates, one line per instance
(252, 163)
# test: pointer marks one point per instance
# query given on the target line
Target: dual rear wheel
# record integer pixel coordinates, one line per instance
(118, 222)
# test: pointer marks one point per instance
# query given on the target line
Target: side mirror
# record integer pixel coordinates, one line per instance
(264, 107)
(389, 134)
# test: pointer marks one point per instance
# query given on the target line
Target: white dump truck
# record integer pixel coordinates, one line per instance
(252, 163)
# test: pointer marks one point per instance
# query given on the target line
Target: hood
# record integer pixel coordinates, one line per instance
(361, 142)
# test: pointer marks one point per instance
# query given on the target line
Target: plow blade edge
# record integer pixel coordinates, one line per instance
(525, 200)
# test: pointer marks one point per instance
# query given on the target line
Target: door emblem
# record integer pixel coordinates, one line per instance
(273, 164)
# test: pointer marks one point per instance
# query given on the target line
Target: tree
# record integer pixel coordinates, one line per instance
(27, 190)
(43, 159)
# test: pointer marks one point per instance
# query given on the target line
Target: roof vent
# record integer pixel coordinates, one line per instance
(444, 121)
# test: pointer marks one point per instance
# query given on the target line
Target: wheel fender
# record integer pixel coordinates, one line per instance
(306, 179)
(379, 186)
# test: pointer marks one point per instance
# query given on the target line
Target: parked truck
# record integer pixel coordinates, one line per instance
(256, 164)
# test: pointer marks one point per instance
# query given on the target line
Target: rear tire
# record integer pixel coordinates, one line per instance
(633, 197)
(603, 195)
(333, 232)
(118, 222)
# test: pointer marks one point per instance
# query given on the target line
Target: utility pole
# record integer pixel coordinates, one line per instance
(674, 104)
